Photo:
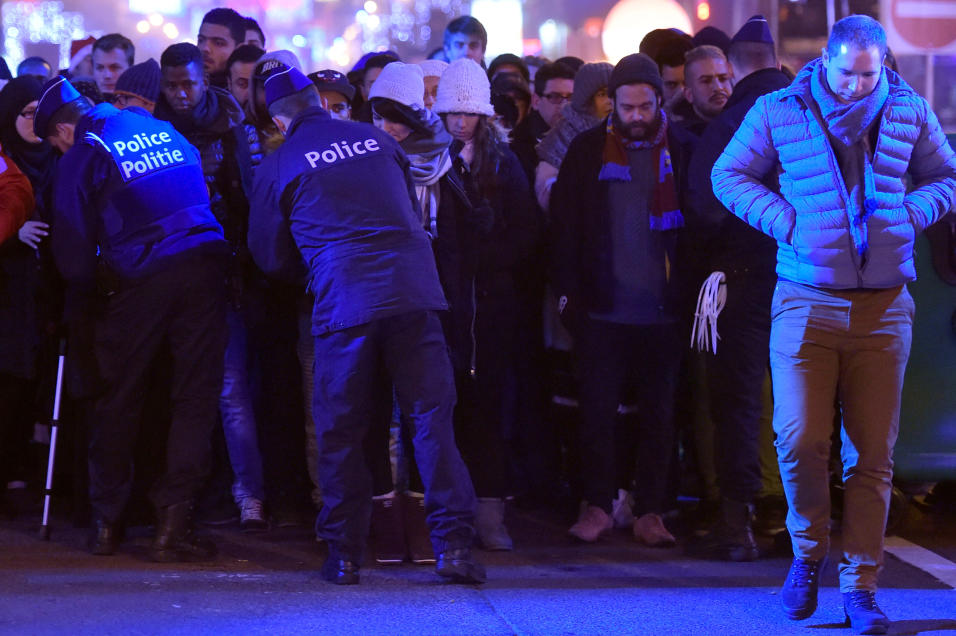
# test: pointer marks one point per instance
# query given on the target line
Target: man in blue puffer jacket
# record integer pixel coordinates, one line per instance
(132, 218)
(376, 288)
(842, 135)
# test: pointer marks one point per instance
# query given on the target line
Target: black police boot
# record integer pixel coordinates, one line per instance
(340, 571)
(458, 565)
(175, 538)
(731, 538)
(339, 567)
(104, 537)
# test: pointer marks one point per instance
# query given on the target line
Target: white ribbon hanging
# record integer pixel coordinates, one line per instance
(710, 301)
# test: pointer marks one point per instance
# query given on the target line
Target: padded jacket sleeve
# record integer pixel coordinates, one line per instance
(737, 175)
(933, 168)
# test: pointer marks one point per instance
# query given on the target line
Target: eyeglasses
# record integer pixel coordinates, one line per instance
(557, 98)
(339, 108)
(28, 114)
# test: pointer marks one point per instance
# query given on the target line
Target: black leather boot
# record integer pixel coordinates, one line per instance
(105, 537)
(340, 571)
(341, 567)
(731, 538)
(175, 538)
(457, 564)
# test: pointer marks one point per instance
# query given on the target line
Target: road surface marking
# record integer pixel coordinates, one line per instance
(926, 560)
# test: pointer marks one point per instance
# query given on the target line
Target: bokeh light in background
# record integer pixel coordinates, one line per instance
(630, 20)
(504, 22)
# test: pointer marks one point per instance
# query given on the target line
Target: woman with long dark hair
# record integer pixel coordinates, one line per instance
(487, 385)
(456, 225)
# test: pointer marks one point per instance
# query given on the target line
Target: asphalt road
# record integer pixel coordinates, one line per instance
(268, 584)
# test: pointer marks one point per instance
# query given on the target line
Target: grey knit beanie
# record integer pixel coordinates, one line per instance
(636, 68)
(589, 79)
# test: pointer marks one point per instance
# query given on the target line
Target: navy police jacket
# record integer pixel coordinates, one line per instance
(130, 189)
(339, 195)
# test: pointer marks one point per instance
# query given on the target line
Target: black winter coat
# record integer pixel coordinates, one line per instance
(721, 240)
(500, 252)
(581, 259)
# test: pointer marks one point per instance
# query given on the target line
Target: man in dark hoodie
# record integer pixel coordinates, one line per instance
(212, 121)
(553, 86)
(747, 258)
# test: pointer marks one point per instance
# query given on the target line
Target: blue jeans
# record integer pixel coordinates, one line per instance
(852, 346)
(238, 418)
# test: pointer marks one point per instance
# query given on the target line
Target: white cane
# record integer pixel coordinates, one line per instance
(48, 490)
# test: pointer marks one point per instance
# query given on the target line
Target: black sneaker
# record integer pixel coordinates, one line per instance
(863, 614)
(251, 517)
(799, 591)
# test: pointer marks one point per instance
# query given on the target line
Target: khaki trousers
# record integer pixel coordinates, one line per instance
(848, 347)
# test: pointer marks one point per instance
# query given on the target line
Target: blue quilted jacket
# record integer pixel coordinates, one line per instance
(809, 218)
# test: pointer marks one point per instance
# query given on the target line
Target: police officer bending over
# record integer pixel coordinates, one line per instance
(130, 201)
(339, 194)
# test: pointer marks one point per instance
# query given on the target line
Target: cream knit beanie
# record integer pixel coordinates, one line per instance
(402, 83)
(433, 68)
(464, 88)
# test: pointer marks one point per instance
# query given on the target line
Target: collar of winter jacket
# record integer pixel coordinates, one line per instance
(314, 113)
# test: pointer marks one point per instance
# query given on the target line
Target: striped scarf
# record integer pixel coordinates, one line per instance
(665, 211)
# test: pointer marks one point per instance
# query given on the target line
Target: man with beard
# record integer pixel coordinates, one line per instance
(212, 121)
(239, 70)
(616, 213)
(707, 85)
(722, 242)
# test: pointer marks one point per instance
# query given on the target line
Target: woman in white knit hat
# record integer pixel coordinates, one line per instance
(432, 70)
(493, 178)
(456, 227)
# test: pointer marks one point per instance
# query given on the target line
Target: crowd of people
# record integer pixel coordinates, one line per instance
(421, 292)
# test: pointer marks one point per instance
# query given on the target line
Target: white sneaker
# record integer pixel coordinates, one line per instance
(251, 517)
(621, 509)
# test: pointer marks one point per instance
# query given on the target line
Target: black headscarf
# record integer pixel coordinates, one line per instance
(37, 161)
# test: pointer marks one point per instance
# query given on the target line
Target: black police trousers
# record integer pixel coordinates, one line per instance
(355, 370)
(183, 308)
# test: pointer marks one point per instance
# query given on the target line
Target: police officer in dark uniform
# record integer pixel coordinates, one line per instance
(136, 242)
(340, 195)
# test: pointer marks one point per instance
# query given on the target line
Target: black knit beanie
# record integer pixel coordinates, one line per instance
(636, 68)
(140, 80)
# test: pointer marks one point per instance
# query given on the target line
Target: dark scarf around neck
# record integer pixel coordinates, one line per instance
(200, 118)
(847, 122)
